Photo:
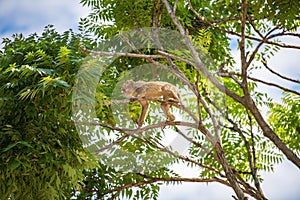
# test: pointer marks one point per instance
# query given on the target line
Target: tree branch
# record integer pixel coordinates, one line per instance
(213, 25)
(134, 55)
(199, 65)
(232, 76)
(160, 100)
(264, 62)
(274, 85)
(244, 65)
(269, 133)
(170, 179)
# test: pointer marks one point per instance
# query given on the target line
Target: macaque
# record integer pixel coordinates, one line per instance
(153, 89)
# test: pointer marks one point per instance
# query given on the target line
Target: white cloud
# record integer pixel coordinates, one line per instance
(193, 191)
(196, 191)
(283, 184)
(285, 61)
(29, 16)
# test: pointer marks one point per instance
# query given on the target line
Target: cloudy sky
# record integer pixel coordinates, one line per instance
(29, 16)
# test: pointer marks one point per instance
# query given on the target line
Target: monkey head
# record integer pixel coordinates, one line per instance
(128, 88)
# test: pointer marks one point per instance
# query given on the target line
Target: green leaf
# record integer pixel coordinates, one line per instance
(10, 146)
(13, 164)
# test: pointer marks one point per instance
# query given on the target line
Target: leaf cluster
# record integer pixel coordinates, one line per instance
(105, 182)
(247, 150)
(285, 119)
(41, 153)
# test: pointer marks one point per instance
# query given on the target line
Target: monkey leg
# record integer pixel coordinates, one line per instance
(167, 110)
(145, 110)
(170, 93)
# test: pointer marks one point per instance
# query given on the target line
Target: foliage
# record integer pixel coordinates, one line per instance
(101, 183)
(285, 118)
(212, 26)
(118, 16)
(42, 156)
(41, 153)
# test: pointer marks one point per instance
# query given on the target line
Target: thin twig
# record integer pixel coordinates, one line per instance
(197, 144)
(232, 74)
(264, 39)
(222, 21)
(175, 6)
(264, 62)
(274, 85)
(135, 55)
(213, 25)
(169, 179)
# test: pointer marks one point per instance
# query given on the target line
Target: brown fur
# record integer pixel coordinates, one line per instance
(153, 89)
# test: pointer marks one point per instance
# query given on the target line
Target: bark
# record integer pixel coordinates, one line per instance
(229, 173)
(269, 133)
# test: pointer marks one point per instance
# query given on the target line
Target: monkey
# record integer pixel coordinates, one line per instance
(154, 89)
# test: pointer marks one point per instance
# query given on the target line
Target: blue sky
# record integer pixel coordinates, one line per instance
(29, 16)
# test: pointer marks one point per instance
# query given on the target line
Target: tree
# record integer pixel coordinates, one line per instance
(242, 140)
(60, 96)
(41, 154)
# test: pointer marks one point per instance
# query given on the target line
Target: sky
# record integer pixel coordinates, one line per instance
(30, 16)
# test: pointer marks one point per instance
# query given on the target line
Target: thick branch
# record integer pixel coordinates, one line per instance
(269, 133)
(244, 65)
(220, 153)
